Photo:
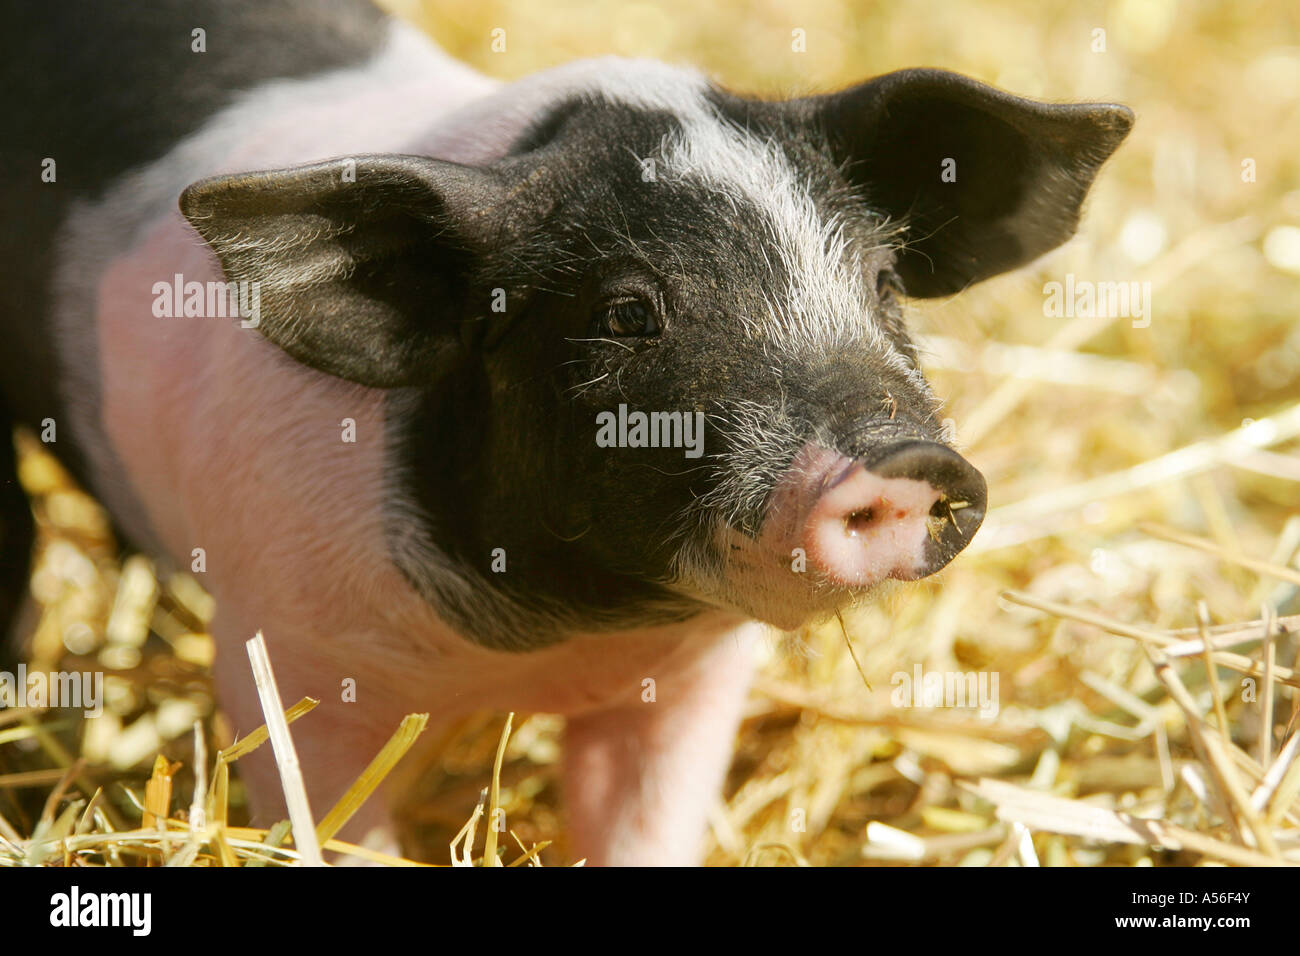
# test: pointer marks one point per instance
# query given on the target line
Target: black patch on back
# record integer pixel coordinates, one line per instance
(103, 87)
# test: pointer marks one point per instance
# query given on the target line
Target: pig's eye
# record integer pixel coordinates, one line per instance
(627, 318)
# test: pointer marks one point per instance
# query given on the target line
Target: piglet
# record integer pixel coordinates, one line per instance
(540, 396)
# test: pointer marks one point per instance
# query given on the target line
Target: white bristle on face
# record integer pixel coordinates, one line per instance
(823, 306)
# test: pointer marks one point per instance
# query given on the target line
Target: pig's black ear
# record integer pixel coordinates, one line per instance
(1017, 170)
(362, 263)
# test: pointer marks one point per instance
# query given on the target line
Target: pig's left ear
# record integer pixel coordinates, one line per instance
(982, 180)
(362, 263)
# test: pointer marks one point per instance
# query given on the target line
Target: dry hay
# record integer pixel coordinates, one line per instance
(1134, 589)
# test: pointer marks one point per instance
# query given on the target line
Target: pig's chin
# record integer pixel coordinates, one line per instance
(753, 578)
(798, 611)
(792, 611)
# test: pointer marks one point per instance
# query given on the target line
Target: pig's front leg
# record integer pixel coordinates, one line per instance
(641, 776)
(334, 743)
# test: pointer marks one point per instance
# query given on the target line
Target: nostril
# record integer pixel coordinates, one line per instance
(945, 505)
(949, 509)
(881, 511)
(858, 521)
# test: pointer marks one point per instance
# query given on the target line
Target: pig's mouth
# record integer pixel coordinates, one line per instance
(836, 528)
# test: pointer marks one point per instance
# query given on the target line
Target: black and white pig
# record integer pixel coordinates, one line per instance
(536, 391)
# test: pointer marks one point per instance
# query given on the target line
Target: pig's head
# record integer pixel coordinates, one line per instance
(648, 356)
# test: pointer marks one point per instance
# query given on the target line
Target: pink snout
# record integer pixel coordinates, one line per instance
(903, 512)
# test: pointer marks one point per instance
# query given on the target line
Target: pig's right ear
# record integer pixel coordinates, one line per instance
(362, 264)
